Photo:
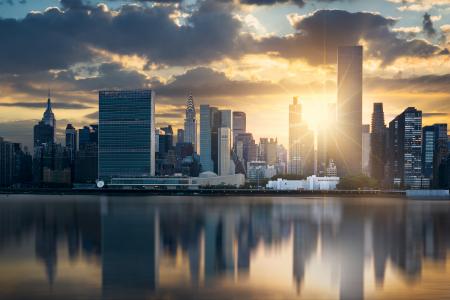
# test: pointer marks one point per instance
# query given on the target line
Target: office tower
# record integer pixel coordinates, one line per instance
(428, 143)
(180, 135)
(349, 110)
(239, 123)
(126, 134)
(295, 131)
(43, 134)
(405, 149)
(6, 163)
(87, 135)
(226, 120)
(366, 149)
(56, 169)
(224, 150)
(249, 147)
(268, 150)
(434, 152)
(86, 160)
(205, 138)
(49, 117)
(190, 123)
(71, 141)
(378, 143)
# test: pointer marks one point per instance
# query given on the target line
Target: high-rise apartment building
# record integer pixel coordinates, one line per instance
(378, 143)
(405, 149)
(349, 110)
(126, 134)
(190, 123)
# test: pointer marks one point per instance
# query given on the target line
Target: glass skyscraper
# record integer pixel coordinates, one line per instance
(126, 134)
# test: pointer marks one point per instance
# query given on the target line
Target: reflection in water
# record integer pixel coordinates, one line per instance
(116, 248)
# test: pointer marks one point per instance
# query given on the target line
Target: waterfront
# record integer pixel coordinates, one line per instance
(155, 247)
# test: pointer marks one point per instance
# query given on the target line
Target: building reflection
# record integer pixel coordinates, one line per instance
(129, 238)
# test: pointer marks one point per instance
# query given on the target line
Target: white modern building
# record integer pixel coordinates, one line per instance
(312, 183)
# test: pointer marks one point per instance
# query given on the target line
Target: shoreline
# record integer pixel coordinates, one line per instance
(204, 192)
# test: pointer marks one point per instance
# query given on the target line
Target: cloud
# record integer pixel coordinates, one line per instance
(427, 26)
(58, 39)
(318, 36)
(206, 82)
(18, 132)
(418, 84)
(430, 115)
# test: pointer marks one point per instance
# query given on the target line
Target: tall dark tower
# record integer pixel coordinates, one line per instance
(349, 110)
(377, 140)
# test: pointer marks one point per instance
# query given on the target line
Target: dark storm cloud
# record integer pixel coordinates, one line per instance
(12, 2)
(427, 25)
(430, 115)
(41, 105)
(206, 82)
(319, 35)
(419, 84)
(57, 39)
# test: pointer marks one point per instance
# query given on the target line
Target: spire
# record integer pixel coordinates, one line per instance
(49, 102)
(190, 103)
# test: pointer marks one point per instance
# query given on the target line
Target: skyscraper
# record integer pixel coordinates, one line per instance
(205, 138)
(301, 142)
(180, 135)
(126, 134)
(49, 117)
(224, 150)
(434, 152)
(349, 110)
(295, 128)
(405, 149)
(377, 143)
(366, 149)
(71, 142)
(190, 123)
(239, 123)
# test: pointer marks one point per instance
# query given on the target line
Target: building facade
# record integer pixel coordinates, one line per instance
(366, 149)
(190, 123)
(126, 145)
(349, 110)
(206, 161)
(224, 147)
(239, 123)
(378, 143)
(405, 149)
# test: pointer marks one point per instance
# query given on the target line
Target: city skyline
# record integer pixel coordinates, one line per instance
(263, 59)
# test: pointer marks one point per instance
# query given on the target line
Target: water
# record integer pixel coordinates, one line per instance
(98, 247)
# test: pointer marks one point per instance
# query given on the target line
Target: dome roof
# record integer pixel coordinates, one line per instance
(207, 174)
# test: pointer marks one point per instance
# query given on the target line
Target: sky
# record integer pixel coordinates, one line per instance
(247, 55)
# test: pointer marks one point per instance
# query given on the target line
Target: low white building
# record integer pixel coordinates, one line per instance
(312, 183)
(206, 179)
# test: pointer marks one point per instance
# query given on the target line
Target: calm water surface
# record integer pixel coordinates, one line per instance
(98, 247)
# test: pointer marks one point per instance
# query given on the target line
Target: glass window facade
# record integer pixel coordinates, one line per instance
(126, 134)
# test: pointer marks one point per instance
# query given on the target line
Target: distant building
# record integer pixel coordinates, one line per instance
(331, 170)
(301, 142)
(268, 150)
(349, 110)
(366, 149)
(190, 123)
(311, 183)
(205, 138)
(49, 117)
(43, 134)
(126, 134)
(6, 163)
(239, 123)
(87, 135)
(434, 153)
(378, 143)
(224, 148)
(405, 149)
(258, 171)
(246, 144)
(180, 135)
(71, 142)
